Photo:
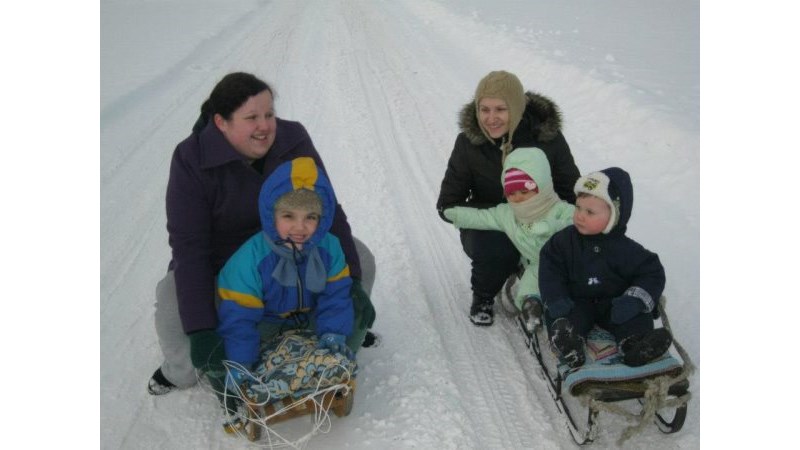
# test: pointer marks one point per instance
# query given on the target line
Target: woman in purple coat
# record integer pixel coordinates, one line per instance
(212, 209)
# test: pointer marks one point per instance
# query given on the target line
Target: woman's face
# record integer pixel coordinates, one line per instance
(251, 129)
(493, 116)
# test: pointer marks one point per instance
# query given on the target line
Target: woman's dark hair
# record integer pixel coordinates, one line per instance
(228, 95)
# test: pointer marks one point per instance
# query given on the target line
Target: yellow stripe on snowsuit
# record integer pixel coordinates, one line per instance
(289, 314)
(344, 273)
(304, 173)
(246, 300)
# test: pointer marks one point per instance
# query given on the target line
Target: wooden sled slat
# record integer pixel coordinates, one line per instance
(340, 402)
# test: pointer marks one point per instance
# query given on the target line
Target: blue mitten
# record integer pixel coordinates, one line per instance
(559, 307)
(236, 377)
(625, 308)
(336, 343)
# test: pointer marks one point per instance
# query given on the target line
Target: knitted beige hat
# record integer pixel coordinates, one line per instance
(300, 199)
(507, 87)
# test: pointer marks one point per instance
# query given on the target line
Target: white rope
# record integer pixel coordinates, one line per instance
(656, 391)
(248, 410)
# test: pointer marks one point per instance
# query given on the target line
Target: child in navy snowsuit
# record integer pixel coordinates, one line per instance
(591, 273)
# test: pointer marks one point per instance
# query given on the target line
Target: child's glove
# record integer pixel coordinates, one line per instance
(336, 344)
(207, 350)
(450, 213)
(559, 307)
(236, 377)
(625, 308)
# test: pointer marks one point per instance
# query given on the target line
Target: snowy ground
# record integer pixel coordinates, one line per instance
(378, 85)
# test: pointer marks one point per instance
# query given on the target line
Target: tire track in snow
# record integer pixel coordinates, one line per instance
(498, 412)
(150, 122)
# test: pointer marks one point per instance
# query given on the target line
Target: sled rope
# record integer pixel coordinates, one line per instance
(688, 366)
(656, 392)
(321, 423)
(251, 409)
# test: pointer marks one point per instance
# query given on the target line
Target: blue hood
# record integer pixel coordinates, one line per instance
(292, 175)
(620, 190)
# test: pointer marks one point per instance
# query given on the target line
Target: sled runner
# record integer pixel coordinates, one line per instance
(259, 416)
(660, 388)
(293, 379)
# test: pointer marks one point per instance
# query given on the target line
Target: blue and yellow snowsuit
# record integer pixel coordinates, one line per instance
(267, 282)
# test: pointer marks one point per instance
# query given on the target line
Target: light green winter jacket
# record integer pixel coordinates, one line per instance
(528, 238)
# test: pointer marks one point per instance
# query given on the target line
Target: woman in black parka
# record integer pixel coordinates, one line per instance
(500, 118)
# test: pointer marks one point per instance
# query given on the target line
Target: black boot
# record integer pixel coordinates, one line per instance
(371, 340)
(481, 312)
(642, 349)
(567, 342)
(159, 384)
(531, 312)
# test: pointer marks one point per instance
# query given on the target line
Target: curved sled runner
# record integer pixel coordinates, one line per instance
(661, 387)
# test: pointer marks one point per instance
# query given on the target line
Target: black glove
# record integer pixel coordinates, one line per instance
(362, 306)
(559, 307)
(625, 308)
(207, 350)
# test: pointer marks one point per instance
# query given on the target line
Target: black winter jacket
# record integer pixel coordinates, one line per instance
(473, 176)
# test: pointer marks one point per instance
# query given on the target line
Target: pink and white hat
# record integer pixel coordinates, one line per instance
(516, 180)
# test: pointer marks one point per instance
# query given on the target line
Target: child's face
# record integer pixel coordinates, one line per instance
(591, 215)
(520, 195)
(493, 115)
(297, 225)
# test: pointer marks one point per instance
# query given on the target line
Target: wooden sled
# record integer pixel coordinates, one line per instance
(661, 387)
(339, 401)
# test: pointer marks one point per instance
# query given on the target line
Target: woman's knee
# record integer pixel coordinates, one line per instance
(490, 247)
(368, 267)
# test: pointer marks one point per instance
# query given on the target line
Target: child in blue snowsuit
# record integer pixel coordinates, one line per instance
(592, 273)
(291, 275)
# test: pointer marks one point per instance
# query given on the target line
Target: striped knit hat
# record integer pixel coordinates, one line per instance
(516, 180)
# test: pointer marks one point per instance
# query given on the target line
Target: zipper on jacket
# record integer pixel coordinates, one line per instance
(300, 297)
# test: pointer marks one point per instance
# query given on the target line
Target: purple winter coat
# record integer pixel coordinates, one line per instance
(212, 209)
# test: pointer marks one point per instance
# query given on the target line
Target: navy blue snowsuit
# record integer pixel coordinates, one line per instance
(593, 270)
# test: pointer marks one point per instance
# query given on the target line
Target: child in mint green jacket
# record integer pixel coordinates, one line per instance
(533, 214)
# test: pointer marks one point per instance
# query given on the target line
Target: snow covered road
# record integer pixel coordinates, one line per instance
(378, 85)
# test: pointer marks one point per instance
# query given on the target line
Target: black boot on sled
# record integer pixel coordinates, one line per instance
(640, 350)
(567, 343)
(531, 312)
(482, 312)
(235, 415)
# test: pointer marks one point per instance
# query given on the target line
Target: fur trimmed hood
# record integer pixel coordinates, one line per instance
(542, 118)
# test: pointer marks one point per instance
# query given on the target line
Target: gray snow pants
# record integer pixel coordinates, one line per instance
(177, 365)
